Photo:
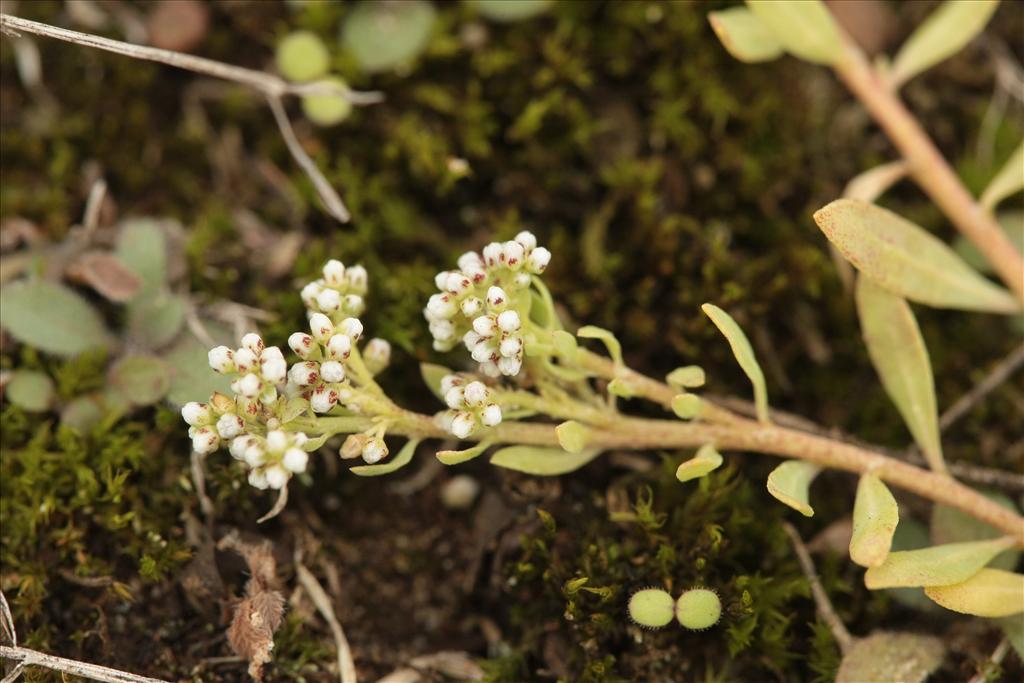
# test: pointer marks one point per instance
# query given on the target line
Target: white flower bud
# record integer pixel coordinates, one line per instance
(448, 382)
(196, 414)
(351, 327)
(249, 386)
(441, 306)
(310, 292)
(302, 344)
(497, 299)
(328, 300)
(357, 279)
(255, 455)
(510, 366)
(527, 239)
(332, 371)
(443, 345)
(509, 321)
(304, 374)
(239, 445)
(471, 306)
(442, 330)
(352, 305)
(245, 360)
(441, 279)
(514, 255)
(492, 254)
(470, 261)
(299, 438)
(470, 339)
(476, 274)
(277, 476)
(221, 359)
(295, 460)
(258, 479)
(253, 342)
(538, 260)
(511, 346)
(463, 424)
(483, 352)
(485, 325)
(205, 440)
(339, 347)
(377, 354)
(490, 368)
(491, 415)
(374, 451)
(454, 397)
(229, 426)
(277, 441)
(521, 280)
(323, 399)
(334, 273)
(273, 368)
(321, 327)
(457, 283)
(475, 394)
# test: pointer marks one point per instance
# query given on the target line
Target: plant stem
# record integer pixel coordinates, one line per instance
(928, 167)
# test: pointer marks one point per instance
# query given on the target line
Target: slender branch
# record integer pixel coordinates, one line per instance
(273, 87)
(999, 374)
(70, 666)
(346, 666)
(928, 167)
(825, 608)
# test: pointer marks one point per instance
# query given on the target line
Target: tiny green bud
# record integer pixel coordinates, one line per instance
(327, 110)
(572, 436)
(301, 56)
(651, 607)
(686, 406)
(698, 609)
(687, 377)
(620, 388)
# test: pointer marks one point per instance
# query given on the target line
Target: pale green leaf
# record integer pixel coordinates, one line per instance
(315, 443)
(744, 354)
(686, 406)
(951, 525)
(804, 28)
(403, 458)
(510, 10)
(141, 380)
(565, 345)
(432, 375)
(1008, 181)
(745, 36)
(944, 33)
(907, 260)
(900, 357)
(52, 318)
(911, 535)
(382, 36)
(154, 321)
(293, 408)
(790, 483)
(621, 388)
(191, 376)
(1013, 627)
(939, 565)
(82, 413)
(688, 377)
(541, 461)
(609, 340)
(302, 56)
(872, 183)
(706, 460)
(875, 516)
(457, 457)
(142, 246)
(888, 657)
(30, 390)
(989, 593)
(572, 436)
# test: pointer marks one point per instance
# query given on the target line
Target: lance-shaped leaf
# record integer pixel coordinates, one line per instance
(1008, 181)
(744, 354)
(51, 318)
(989, 593)
(887, 657)
(744, 35)
(875, 516)
(541, 461)
(609, 340)
(872, 183)
(951, 525)
(940, 565)
(900, 357)
(944, 33)
(457, 457)
(907, 260)
(403, 458)
(805, 28)
(790, 482)
(706, 460)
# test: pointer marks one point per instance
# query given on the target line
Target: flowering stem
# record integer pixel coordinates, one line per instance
(928, 167)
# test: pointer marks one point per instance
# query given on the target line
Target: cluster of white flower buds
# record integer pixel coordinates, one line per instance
(320, 377)
(480, 304)
(213, 422)
(339, 293)
(257, 370)
(470, 406)
(273, 459)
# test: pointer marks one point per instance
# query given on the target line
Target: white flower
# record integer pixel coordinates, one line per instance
(221, 359)
(455, 397)
(463, 424)
(492, 254)
(538, 260)
(332, 371)
(295, 460)
(442, 330)
(277, 476)
(273, 366)
(339, 347)
(511, 346)
(352, 328)
(490, 416)
(521, 280)
(310, 292)
(253, 342)
(490, 368)
(448, 382)
(240, 444)
(258, 479)
(513, 254)
(229, 426)
(245, 360)
(483, 352)
(304, 374)
(352, 305)
(497, 299)
(485, 325)
(457, 283)
(471, 306)
(249, 385)
(374, 450)
(527, 239)
(302, 344)
(277, 440)
(205, 440)
(509, 321)
(328, 300)
(323, 399)
(357, 279)
(470, 261)
(475, 394)
(334, 273)
(196, 414)
(441, 306)
(321, 327)
(255, 454)
(377, 355)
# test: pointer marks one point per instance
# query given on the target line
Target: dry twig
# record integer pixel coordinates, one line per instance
(346, 667)
(999, 374)
(825, 608)
(26, 657)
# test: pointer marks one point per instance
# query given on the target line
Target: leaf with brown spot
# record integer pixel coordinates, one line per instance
(105, 273)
